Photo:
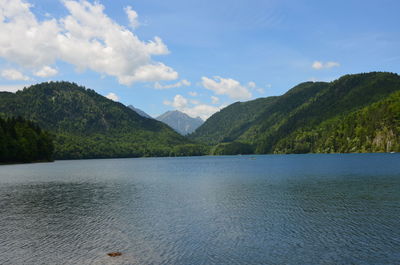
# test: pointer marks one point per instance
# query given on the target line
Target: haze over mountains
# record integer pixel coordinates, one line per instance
(355, 113)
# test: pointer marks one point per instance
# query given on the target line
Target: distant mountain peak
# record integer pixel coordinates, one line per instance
(180, 122)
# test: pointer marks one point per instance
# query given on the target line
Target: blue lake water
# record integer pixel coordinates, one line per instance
(271, 209)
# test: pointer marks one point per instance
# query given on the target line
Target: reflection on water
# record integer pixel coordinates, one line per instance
(297, 209)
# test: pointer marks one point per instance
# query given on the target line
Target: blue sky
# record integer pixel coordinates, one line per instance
(195, 56)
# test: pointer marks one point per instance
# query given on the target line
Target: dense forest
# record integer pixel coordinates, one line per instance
(23, 141)
(314, 117)
(88, 125)
(375, 128)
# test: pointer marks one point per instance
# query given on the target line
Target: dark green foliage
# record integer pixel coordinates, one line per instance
(189, 150)
(295, 121)
(88, 125)
(375, 128)
(340, 97)
(232, 148)
(23, 141)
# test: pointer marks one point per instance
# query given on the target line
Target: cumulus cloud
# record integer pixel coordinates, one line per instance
(12, 74)
(227, 86)
(86, 38)
(181, 83)
(179, 102)
(201, 110)
(318, 65)
(112, 96)
(46, 71)
(193, 94)
(192, 108)
(132, 17)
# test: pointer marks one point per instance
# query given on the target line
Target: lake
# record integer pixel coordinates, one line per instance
(269, 209)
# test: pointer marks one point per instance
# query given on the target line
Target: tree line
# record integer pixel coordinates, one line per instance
(23, 141)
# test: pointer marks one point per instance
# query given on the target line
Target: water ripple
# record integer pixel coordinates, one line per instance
(226, 210)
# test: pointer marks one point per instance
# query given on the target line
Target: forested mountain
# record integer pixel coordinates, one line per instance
(140, 112)
(23, 141)
(180, 122)
(88, 125)
(356, 113)
(375, 128)
(306, 116)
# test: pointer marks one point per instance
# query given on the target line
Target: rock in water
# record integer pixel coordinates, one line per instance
(114, 254)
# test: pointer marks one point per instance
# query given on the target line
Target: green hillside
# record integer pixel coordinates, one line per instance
(375, 128)
(88, 125)
(304, 108)
(231, 121)
(236, 119)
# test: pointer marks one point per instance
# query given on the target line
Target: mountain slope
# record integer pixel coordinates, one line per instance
(302, 109)
(233, 121)
(88, 125)
(347, 94)
(375, 128)
(180, 122)
(140, 112)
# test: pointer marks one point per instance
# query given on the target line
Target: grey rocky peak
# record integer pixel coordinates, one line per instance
(180, 122)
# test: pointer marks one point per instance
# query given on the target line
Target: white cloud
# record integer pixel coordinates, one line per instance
(193, 94)
(112, 96)
(214, 99)
(226, 86)
(179, 102)
(12, 74)
(46, 71)
(181, 83)
(13, 88)
(192, 108)
(150, 73)
(202, 110)
(318, 65)
(132, 16)
(86, 38)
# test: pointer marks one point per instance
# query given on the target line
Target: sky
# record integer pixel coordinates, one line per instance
(196, 56)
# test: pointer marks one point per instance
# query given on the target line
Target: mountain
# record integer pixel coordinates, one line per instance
(180, 122)
(140, 112)
(88, 125)
(312, 117)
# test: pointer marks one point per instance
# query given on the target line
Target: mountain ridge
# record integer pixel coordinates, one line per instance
(88, 125)
(301, 109)
(140, 112)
